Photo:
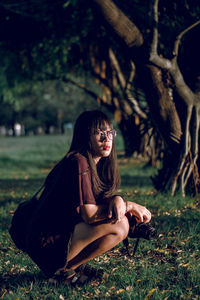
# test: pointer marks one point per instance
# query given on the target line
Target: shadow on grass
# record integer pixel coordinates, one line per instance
(5, 223)
(13, 192)
(5, 220)
(12, 163)
(11, 189)
(139, 181)
(19, 184)
(9, 280)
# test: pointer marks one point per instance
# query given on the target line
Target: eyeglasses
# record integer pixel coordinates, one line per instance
(111, 134)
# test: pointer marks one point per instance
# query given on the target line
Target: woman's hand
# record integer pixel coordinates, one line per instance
(141, 213)
(116, 209)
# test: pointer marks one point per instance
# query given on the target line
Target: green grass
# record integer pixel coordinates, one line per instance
(167, 268)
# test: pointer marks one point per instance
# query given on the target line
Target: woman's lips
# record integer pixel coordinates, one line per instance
(106, 148)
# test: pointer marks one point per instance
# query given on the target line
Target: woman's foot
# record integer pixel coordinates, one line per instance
(87, 272)
(64, 276)
(80, 276)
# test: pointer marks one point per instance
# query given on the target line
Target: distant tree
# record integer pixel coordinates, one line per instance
(43, 104)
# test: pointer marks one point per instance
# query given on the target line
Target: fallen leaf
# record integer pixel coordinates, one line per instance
(160, 250)
(120, 291)
(94, 283)
(149, 294)
(129, 288)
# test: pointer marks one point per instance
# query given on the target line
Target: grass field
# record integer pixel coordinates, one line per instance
(166, 268)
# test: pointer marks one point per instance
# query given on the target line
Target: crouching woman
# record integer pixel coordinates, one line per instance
(79, 215)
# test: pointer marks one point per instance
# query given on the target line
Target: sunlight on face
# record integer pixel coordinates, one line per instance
(102, 141)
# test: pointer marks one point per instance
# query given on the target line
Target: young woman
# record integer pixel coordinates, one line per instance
(79, 217)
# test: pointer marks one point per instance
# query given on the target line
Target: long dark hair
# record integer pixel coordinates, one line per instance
(105, 175)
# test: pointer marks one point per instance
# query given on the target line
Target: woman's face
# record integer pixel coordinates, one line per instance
(102, 142)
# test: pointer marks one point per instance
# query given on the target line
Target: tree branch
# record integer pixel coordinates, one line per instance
(154, 57)
(179, 37)
(120, 23)
(129, 95)
(88, 91)
(125, 87)
(117, 68)
(193, 152)
(171, 65)
(154, 45)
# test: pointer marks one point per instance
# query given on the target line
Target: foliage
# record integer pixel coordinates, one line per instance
(43, 104)
(39, 42)
(167, 268)
(47, 42)
(56, 39)
(33, 63)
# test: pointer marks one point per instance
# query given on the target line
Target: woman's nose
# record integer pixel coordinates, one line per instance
(106, 137)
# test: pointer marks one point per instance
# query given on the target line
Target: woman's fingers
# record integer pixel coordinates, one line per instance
(119, 209)
(139, 218)
(116, 209)
(147, 217)
(142, 213)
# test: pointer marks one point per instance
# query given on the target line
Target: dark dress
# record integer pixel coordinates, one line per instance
(68, 186)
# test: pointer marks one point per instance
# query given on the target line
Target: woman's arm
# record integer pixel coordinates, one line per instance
(92, 213)
(114, 210)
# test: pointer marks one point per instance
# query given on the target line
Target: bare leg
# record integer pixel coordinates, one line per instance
(89, 241)
(95, 249)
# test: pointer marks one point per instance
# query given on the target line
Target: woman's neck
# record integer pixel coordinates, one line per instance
(96, 159)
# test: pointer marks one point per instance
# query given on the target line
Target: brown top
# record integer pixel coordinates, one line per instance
(82, 180)
(67, 187)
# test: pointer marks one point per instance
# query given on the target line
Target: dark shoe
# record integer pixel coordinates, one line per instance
(63, 276)
(90, 271)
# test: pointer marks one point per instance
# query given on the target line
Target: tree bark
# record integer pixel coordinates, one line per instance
(181, 141)
(120, 23)
(162, 107)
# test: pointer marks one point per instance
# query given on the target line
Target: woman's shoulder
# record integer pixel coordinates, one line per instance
(79, 160)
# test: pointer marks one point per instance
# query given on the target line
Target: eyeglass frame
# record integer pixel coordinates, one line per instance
(111, 134)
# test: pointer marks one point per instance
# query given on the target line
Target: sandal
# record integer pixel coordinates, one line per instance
(64, 276)
(90, 271)
(86, 274)
(81, 275)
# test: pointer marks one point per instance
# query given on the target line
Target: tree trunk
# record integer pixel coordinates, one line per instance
(180, 133)
(162, 107)
(124, 28)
